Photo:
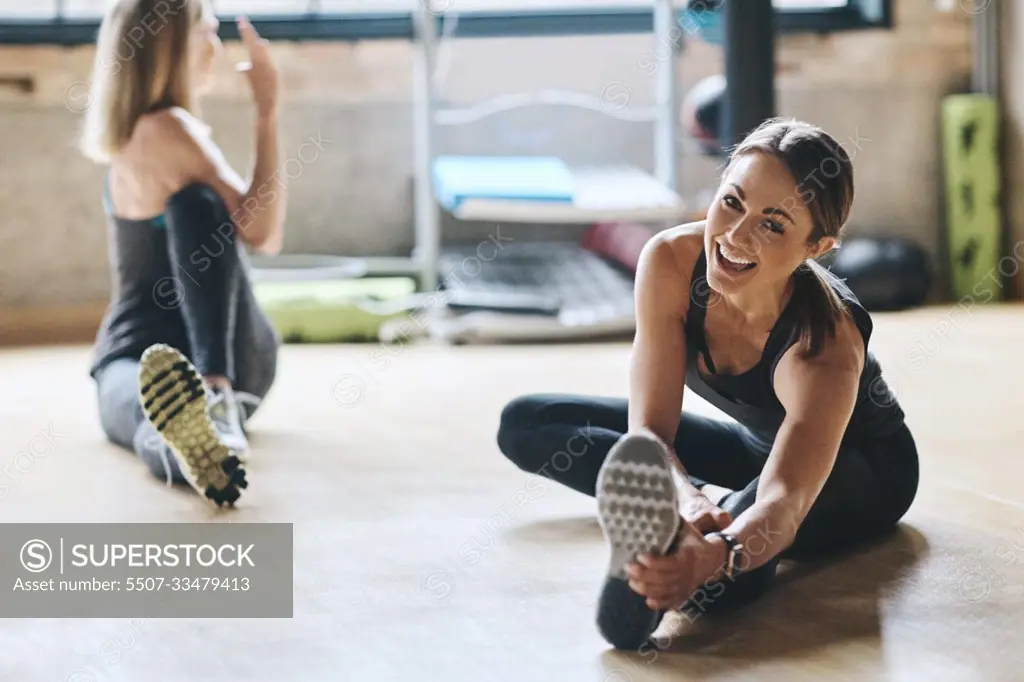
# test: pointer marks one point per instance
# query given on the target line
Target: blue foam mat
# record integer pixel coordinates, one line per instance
(528, 178)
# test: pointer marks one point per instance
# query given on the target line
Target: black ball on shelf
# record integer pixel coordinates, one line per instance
(885, 273)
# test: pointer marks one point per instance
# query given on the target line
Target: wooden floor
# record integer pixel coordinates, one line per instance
(412, 561)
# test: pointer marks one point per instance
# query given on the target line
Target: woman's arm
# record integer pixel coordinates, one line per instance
(658, 360)
(262, 209)
(818, 395)
(257, 209)
(263, 206)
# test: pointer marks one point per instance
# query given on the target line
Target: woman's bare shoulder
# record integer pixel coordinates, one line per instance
(666, 268)
(679, 247)
(183, 145)
(176, 135)
(173, 124)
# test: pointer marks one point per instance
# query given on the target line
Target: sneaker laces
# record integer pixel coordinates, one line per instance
(227, 410)
(248, 400)
(218, 408)
(156, 442)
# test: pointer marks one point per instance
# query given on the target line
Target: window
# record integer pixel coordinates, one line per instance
(71, 22)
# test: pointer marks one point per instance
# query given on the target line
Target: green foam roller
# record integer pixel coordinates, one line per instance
(331, 311)
(970, 131)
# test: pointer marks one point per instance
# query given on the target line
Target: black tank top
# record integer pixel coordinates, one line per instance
(750, 398)
(145, 294)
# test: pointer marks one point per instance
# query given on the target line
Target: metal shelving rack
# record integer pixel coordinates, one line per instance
(423, 262)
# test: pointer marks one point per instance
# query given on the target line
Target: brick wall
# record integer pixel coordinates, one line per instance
(881, 87)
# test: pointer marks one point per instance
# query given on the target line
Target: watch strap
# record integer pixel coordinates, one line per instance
(734, 551)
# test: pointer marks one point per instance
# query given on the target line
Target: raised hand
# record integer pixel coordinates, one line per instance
(261, 70)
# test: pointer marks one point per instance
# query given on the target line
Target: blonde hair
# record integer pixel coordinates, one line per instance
(141, 65)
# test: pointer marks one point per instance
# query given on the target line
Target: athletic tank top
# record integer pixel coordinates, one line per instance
(145, 295)
(750, 398)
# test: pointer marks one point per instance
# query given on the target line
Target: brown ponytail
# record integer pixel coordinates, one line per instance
(824, 175)
(819, 309)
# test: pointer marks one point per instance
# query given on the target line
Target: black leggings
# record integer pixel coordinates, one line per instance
(222, 318)
(566, 438)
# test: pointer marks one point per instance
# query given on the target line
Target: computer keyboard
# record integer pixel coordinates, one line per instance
(576, 291)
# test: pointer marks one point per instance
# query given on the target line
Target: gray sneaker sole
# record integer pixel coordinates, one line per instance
(174, 401)
(638, 509)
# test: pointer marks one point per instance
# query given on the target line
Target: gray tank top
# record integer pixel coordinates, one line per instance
(750, 398)
(145, 295)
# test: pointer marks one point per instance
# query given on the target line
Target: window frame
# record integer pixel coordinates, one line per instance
(398, 25)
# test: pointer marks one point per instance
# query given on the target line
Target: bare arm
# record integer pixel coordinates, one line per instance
(263, 208)
(658, 361)
(264, 203)
(819, 397)
(257, 208)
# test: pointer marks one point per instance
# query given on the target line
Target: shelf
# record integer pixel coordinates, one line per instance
(609, 103)
(303, 267)
(488, 328)
(601, 193)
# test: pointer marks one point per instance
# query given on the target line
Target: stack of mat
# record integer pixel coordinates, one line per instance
(546, 189)
(458, 179)
(333, 311)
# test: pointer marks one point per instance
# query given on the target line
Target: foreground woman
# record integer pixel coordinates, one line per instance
(184, 354)
(698, 512)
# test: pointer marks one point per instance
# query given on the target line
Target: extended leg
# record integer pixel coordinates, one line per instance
(124, 423)
(867, 492)
(746, 587)
(176, 402)
(567, 437)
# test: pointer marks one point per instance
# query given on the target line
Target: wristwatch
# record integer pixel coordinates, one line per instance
(734, 554)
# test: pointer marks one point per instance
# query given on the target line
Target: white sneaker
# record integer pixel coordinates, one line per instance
(638, 508)
(228, 417)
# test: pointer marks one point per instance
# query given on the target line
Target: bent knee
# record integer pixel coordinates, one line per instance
(203, 208)
(518, 418)
(197, 194)
(904, 490)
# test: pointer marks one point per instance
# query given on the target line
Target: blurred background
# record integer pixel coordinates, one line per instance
(875, 73)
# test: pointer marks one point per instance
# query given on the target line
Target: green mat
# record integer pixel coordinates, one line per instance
(330, 311)
(970, 130)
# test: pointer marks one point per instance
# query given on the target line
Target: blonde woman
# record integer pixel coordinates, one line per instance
(184, 354)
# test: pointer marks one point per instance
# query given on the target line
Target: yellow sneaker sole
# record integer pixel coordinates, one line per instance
(173, 399)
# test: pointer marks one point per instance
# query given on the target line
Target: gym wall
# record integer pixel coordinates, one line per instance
(882, 88)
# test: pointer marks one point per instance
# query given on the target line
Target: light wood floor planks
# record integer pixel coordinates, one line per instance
(413, 563)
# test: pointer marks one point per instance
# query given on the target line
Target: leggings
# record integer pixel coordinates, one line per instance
(227, 332)
(566, 438)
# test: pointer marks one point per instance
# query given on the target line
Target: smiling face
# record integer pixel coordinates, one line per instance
(758, 227)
